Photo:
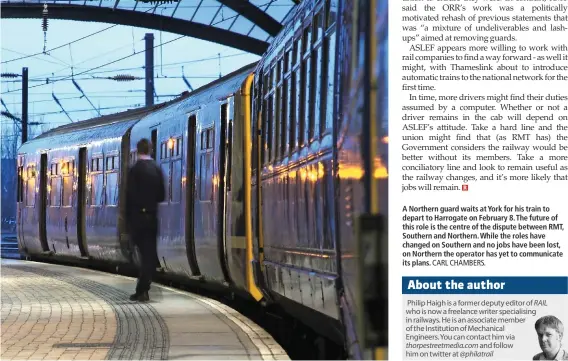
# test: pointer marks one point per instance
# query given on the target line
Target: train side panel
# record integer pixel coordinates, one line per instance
(362, 143)
(62, 201)
(103, 177)
(293, 189)
(170, 157)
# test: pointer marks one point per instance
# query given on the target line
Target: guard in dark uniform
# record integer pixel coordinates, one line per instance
(144, 190)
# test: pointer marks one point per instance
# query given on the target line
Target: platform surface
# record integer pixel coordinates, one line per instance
(57, 312)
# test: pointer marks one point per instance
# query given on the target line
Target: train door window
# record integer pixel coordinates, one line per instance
(31, 186)
(96, 182)
(175, 179)
(206, 166)
(298, 105)
(268, 127)
(307, 105)
(154, 140)
(172, 170)
(329, 79)
(133, 157)
(318, 25)
(20, 195)
(111, 180)
(67, 180)
(55, 186)
(165, 155)
(317, 74)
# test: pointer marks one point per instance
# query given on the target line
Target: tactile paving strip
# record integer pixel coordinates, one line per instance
(141, 332)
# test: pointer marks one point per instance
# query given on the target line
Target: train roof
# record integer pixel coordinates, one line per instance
(92, 130)
(116, 125)
(216, 90)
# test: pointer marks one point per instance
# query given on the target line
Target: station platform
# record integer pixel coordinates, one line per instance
(58, 312)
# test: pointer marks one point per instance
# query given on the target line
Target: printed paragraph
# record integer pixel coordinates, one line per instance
(476, 236)
(465, 328)
(485, 97)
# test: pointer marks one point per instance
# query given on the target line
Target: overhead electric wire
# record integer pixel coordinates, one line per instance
(42, 77)
(100, 66)
(61, 62)
(109, 78)
(90, 110)
(60, 46)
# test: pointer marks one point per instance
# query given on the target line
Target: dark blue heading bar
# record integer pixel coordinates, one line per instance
(486, 285)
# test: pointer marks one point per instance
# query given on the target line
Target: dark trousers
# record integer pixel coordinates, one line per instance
(144, 234)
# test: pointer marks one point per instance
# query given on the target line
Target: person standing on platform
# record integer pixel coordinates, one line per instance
(144, 190)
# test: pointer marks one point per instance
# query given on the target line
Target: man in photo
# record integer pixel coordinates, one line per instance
(550, 331)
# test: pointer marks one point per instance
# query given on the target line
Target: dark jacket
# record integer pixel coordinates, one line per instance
(144, 189)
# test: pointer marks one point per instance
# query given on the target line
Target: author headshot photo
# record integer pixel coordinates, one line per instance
(550, 330)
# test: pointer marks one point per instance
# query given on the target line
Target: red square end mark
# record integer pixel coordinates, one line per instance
(465, 187)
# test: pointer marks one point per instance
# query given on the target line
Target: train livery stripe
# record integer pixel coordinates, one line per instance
(251, 285)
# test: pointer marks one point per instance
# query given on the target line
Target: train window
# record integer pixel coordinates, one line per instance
(67, 191)
(109, 163)
(30, 187)
(269, 126)
(176, 181)
(317, 91)
(285, 120)
(210, 138)
(331, 13)
(296, 52)
(178, 146)
(97, 164)
(55, 191)
(307, 39)
(287, 64)
(132, 158)
(266, 82)
(298, 105)
(277, 122)
(166, 172)
(279, 71)
(163, 150)
(20, 195)
(96, 193)
(291, 113)
(306, 101)
(111, 189)
(329, 81)
(318, 26)
(205, 176)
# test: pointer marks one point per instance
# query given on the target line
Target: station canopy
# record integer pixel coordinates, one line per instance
(242, 24)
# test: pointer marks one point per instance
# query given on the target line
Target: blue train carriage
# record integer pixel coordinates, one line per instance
(202, 145)
(69, 204)
(296, 254)
(362, 150)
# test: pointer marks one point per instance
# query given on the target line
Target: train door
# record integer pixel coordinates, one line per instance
(43, 202)
(190, 196)
(81, 185)
(154, 141)
(224, 169)
(20, 202)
